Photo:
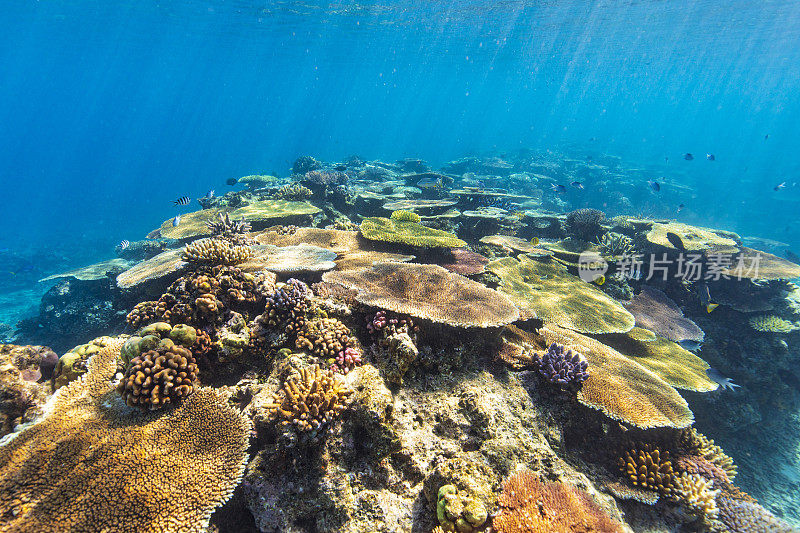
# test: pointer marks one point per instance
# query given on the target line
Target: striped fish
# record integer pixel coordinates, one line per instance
(124, 244)
(183, 200)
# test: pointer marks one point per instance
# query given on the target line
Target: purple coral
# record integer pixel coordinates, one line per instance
(563, 366)
(346, 360)
(384, 324)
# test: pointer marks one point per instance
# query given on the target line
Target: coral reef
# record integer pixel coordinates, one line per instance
(72, 364)
(402, 215)
(772, 324)
(465, 262)
(24, 385)
(213, 252)
(530, 506)
(325, 338)
(92, 465)
(256, 181)
(233, 231)
(615, 244)
(408, 233)
(428, 291)
(645, 466)
(459, 512)
(656, 312)
(584, 224)
(293, 192)
(698, 494)
(159, 377)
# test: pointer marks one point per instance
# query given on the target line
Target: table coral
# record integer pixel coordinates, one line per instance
(529, 506)
(92, 464)
(656, 311)
(408, 233)
(430, 292)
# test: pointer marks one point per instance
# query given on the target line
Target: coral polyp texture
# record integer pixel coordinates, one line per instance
(93, 464)
(698, 494)
(656, 311)
(457, 511)
(293, 191)
(215, 252)
(310, 400)
(561, 365)
(647, 467)
(428, 291)
(402, 215)
(408, 233)
(159, 377)
(527, 505)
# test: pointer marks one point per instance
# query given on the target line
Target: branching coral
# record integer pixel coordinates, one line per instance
(698, 494)
(216, 252)
(584, 223)
(529, 506)
(402, 215)
(646, 466)
(294, 192)
(694, 443)
(309, 401)
(561, 365)
(615, 244)
(772, 324)
(92, 464)
(233, 231)
(325, 338)
(159, 377)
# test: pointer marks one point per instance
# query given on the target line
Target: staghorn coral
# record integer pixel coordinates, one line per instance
(215, 252)
(309, 401)
(656, 311)
(159, 377)
(529, 506)
(698, 494)
(548, 292)
(430, 292)
(233, 231)
(584, 224)
(617, 385)
(561, 365)
(772, 324)
(407, 233)
(401, 215)
(645, 466)
(293, 192)
(615, 244)
(92, 464)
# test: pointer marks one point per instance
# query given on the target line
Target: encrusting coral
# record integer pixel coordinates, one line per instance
(216, 251)
(529, 506)
(309, 401)
(93, 464)
(457, 511)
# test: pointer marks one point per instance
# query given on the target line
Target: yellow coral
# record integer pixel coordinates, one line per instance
(430, 292)
(698, 494)
(647, 467)
(405, 216)
(408, 233)
(772, 324)
(216, 252)
(93, 464)
(697, 443)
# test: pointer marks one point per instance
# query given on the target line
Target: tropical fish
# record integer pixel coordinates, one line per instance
(431, 182)
(680, 208)
(124, 244)
(717, 377)
(711, 157)
(183, 200)
(176, 221)
(705, 297)
(577, 184)
(209, 195)
(676, 241)
(781, 185)
(600, 279)
(766, 136)
(691, 345)
(231, 181)
(557, 188)
(535, 241)
(687, 156)
(656, 186)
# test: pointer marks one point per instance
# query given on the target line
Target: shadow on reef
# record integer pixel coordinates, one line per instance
(379, 347)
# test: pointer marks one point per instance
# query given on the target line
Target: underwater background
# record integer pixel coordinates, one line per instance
(109, 111)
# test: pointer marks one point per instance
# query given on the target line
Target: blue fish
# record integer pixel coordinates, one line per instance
(176, 221)
(687, 156)
(656, 186)
(723, 382)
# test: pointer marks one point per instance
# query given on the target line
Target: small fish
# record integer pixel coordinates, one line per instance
(231, 181)
(557, 188)
(781, 185)
(687, 156)
(711, 157)
(600, 279)
(690, 345)
(430, 183)
(680, 208)
(577, 184)
(210, 195)
(710, 307)
(666, 159)
(717, 377)
(705, 297)
(535, 241)
(183, 200)
(676, 241)
(176, 221)
(656, 186)
(766, 136)
(124, 244)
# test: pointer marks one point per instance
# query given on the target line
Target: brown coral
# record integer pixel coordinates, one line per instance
(216, 252)
(695, 443)
(430, 292)
(309, 400)
(645, 466)
(530, 506)
(159, 377)
(325, 338)
(95, 465)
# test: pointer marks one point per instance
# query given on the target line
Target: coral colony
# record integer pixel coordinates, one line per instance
(371, 346)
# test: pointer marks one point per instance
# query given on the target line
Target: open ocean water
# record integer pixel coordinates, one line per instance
(109, 111)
